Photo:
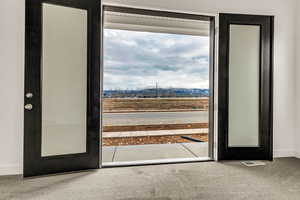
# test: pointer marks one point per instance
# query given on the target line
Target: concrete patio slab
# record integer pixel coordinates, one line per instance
(200, 149)
(108, 153)
(153, 133)
(151, 152)
(154, 151)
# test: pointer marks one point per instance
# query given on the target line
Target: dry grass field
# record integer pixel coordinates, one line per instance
(163, 139)
(154, 104)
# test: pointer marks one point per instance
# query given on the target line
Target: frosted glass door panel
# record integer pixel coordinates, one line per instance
(244, 65)
(64, 80)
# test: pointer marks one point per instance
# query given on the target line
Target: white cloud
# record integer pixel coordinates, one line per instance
(141, 59)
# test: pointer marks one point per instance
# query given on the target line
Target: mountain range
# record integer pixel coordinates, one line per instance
(156, 93)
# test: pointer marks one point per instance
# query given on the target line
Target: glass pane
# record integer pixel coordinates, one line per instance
(244, 59)
(64, 80)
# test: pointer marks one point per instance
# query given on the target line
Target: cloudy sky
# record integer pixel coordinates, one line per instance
(135, 60)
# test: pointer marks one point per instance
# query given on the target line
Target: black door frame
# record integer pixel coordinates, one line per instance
(34, 163)
(265, 149)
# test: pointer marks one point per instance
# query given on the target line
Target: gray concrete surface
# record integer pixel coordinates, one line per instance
(108, 153)
(198, 149)
(277, 180)
(144, 118)
(154, 152)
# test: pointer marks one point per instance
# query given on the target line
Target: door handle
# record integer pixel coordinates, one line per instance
(29, 95)
(28, 106)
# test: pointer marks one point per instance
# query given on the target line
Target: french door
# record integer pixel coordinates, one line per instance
(62, 86)
(245, 87)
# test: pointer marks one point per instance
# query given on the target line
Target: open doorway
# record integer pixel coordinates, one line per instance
(157, 92)
(63, 48)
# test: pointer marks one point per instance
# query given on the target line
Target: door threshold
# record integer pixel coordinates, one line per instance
(154, 162)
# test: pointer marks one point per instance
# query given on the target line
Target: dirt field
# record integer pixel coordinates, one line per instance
(153, 104)
(169, 139)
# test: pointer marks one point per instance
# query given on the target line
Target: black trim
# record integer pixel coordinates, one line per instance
(265, 149)
(159, 13)
(191, 139)
(271, 87)
(34, 164)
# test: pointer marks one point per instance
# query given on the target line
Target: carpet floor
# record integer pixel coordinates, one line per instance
(279, 179)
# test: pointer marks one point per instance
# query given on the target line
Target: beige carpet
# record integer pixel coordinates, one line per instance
(207, 180)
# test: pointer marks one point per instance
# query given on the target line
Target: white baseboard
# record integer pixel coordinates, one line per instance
(283, 153)
(10, 170)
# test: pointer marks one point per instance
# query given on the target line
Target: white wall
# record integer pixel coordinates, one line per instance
(12, 23)
(297, 80)
(12, 19)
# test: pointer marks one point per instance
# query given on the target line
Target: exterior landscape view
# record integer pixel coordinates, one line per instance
(156, 90)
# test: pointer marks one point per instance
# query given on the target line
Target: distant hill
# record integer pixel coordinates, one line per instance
(156, 92)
